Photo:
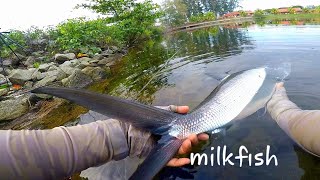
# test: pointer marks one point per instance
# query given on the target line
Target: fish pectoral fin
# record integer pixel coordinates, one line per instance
(157, 158)
(150, 118)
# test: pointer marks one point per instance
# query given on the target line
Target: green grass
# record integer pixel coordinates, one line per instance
(292, 16)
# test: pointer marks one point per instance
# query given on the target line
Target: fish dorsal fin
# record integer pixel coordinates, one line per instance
(139, 115)
(215, 90)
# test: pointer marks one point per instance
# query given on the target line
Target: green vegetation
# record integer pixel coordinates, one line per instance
(209, 16)
(273, 14)
(179, 12)
(36, 65)
(292, 16)
(259, 13)
(127, 23)
(243, 13)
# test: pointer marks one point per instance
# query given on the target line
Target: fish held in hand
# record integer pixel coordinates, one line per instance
(237, 96)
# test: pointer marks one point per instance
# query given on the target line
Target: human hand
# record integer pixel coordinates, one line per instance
(187, 144)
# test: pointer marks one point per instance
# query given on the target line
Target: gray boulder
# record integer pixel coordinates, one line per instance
(98, 57)
(4, 79)
(105, 61)
(61, 58)
(20, 76)
(30, 61)
(45, 81)
(58, 73)
(114, 48)
(45, 67)
(14, 108)
(96, 73)
(68, 70)
(4, 91)
(77, 79)
(107, 53)
(37, 75)
(17, 60)
(7, 62)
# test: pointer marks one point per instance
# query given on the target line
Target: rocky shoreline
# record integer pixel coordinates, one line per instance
(67, 70)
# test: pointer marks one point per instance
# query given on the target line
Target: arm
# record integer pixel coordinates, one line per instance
(301, 125)
(62, 151)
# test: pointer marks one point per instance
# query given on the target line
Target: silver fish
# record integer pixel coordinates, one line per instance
(237, 96)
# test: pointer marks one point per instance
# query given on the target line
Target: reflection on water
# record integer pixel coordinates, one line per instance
(183, 68)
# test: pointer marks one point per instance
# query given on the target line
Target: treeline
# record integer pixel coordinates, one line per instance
(290, 10)
(178, 12)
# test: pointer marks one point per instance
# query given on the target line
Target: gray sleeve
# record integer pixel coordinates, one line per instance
(62, 151)
(301, 125)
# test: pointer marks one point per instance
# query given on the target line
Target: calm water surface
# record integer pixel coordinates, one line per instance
(183, 68)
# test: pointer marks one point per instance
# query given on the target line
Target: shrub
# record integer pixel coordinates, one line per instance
(209, 16)
(80, 35)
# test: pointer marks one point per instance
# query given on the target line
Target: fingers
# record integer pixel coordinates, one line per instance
(192, 140)
(203, 137)
(179, 109)
(279, 85)
(177, 162)
(185, 147)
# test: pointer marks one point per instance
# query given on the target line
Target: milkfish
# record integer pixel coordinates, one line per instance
(237, 96)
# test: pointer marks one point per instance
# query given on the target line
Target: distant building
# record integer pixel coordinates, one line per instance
(286, 10)
(236, 14)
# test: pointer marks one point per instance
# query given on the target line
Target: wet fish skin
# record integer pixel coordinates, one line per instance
(223, 106)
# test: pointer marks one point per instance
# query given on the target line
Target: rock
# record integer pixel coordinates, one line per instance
(68, 70)
(114, 48)
(4, 91)
(20, 76)
(28, 84)
(111, 63)
(107, 53)
(96, 73)
(84, 59)
(30, 61)
(61, 58)
(38, 53)
(45, 81)
(14, 108)
(17, 60)
(58, 73)
(4, 79)
(53, 68)
(105, 61)
(45, 67)
(77, 80)
(74, 63)
(37, 75)
(7, 62)
(98, 57)
(93, 61)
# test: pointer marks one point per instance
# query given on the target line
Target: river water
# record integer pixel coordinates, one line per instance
(182, 68)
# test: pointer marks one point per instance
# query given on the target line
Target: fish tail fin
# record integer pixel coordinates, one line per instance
(147, 117)
(157, 158)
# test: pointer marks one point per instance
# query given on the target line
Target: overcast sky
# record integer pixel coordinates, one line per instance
(22, 14)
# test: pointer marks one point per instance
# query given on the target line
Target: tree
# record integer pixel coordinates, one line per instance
(258, 13)
(243, 14)
(114, 8)
(175, 12)
(317, 10)
(306, 10)
(274, 11)
(136, 19)
(291, 10)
